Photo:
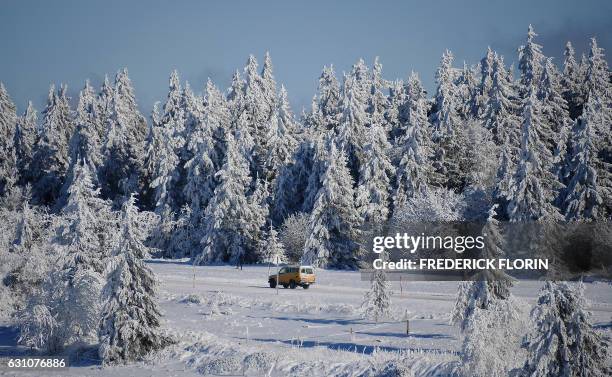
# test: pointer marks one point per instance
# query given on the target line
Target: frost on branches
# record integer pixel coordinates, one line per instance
(130, 323)
(563, 342)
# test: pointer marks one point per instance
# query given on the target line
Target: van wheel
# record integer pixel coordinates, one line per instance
(305, 286)
(272, 283)
(285, 286)
(292, 284)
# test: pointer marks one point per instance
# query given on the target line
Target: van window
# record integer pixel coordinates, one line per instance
(283, 270)
(307, 271)
(294, 269)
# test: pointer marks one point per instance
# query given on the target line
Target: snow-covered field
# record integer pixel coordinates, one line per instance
(229, 322)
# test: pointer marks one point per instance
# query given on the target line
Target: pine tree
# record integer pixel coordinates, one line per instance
(563, 342)
(334, 219)
(130, 323)
(589, 177)
(8, 157)
(51, 153)
(414, 169)
(530, 64)
(533, 188)
(26, 134)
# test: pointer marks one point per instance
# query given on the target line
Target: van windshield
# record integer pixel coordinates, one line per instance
(307, 271)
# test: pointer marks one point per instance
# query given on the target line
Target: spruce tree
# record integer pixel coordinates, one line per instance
(373, 198)
(572, 80)
(501, 110)
(533, 187)
(228, 225)
(123, 148)
(414, 170)
(377, 301)
(334, 221)
(130, 326)
(563, 342)
(485, 85)
(328, 100)
(351, 136)
(26, 134)
(530, 64)
(589, 176)
(448, 127)
(51, 153)
(204, 146)
(8, 157)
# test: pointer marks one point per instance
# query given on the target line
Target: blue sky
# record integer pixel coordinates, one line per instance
(69, 40)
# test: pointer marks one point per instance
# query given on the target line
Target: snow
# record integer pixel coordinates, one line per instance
(297, 332)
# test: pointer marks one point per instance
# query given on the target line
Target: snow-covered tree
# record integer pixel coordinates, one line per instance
(468, 92)
(26, 134)
(51, 153)
(572, 82)
(280, 145)
(447, 126)
(378, 103)
(530, 64)
(563, 342)
(533, 185)
(162, 155)
(293, 235)
(414, 169)
(8, 157)
(488, 285)
(204, 147)
(377, 301)
(86, 237)
(123, 148)
(589, 177)
(436, 204)
(130, 326)
(334, 219)
(328, 101)
(86, 142)
(272, 249)
(228, 225)
(446, 118)
(555, 115)
(373, 198)
(352, 134)
(500, 112)
(486, 82)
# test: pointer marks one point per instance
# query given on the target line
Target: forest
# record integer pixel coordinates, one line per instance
(233, 176)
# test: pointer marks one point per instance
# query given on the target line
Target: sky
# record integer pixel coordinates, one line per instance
(68, 41)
